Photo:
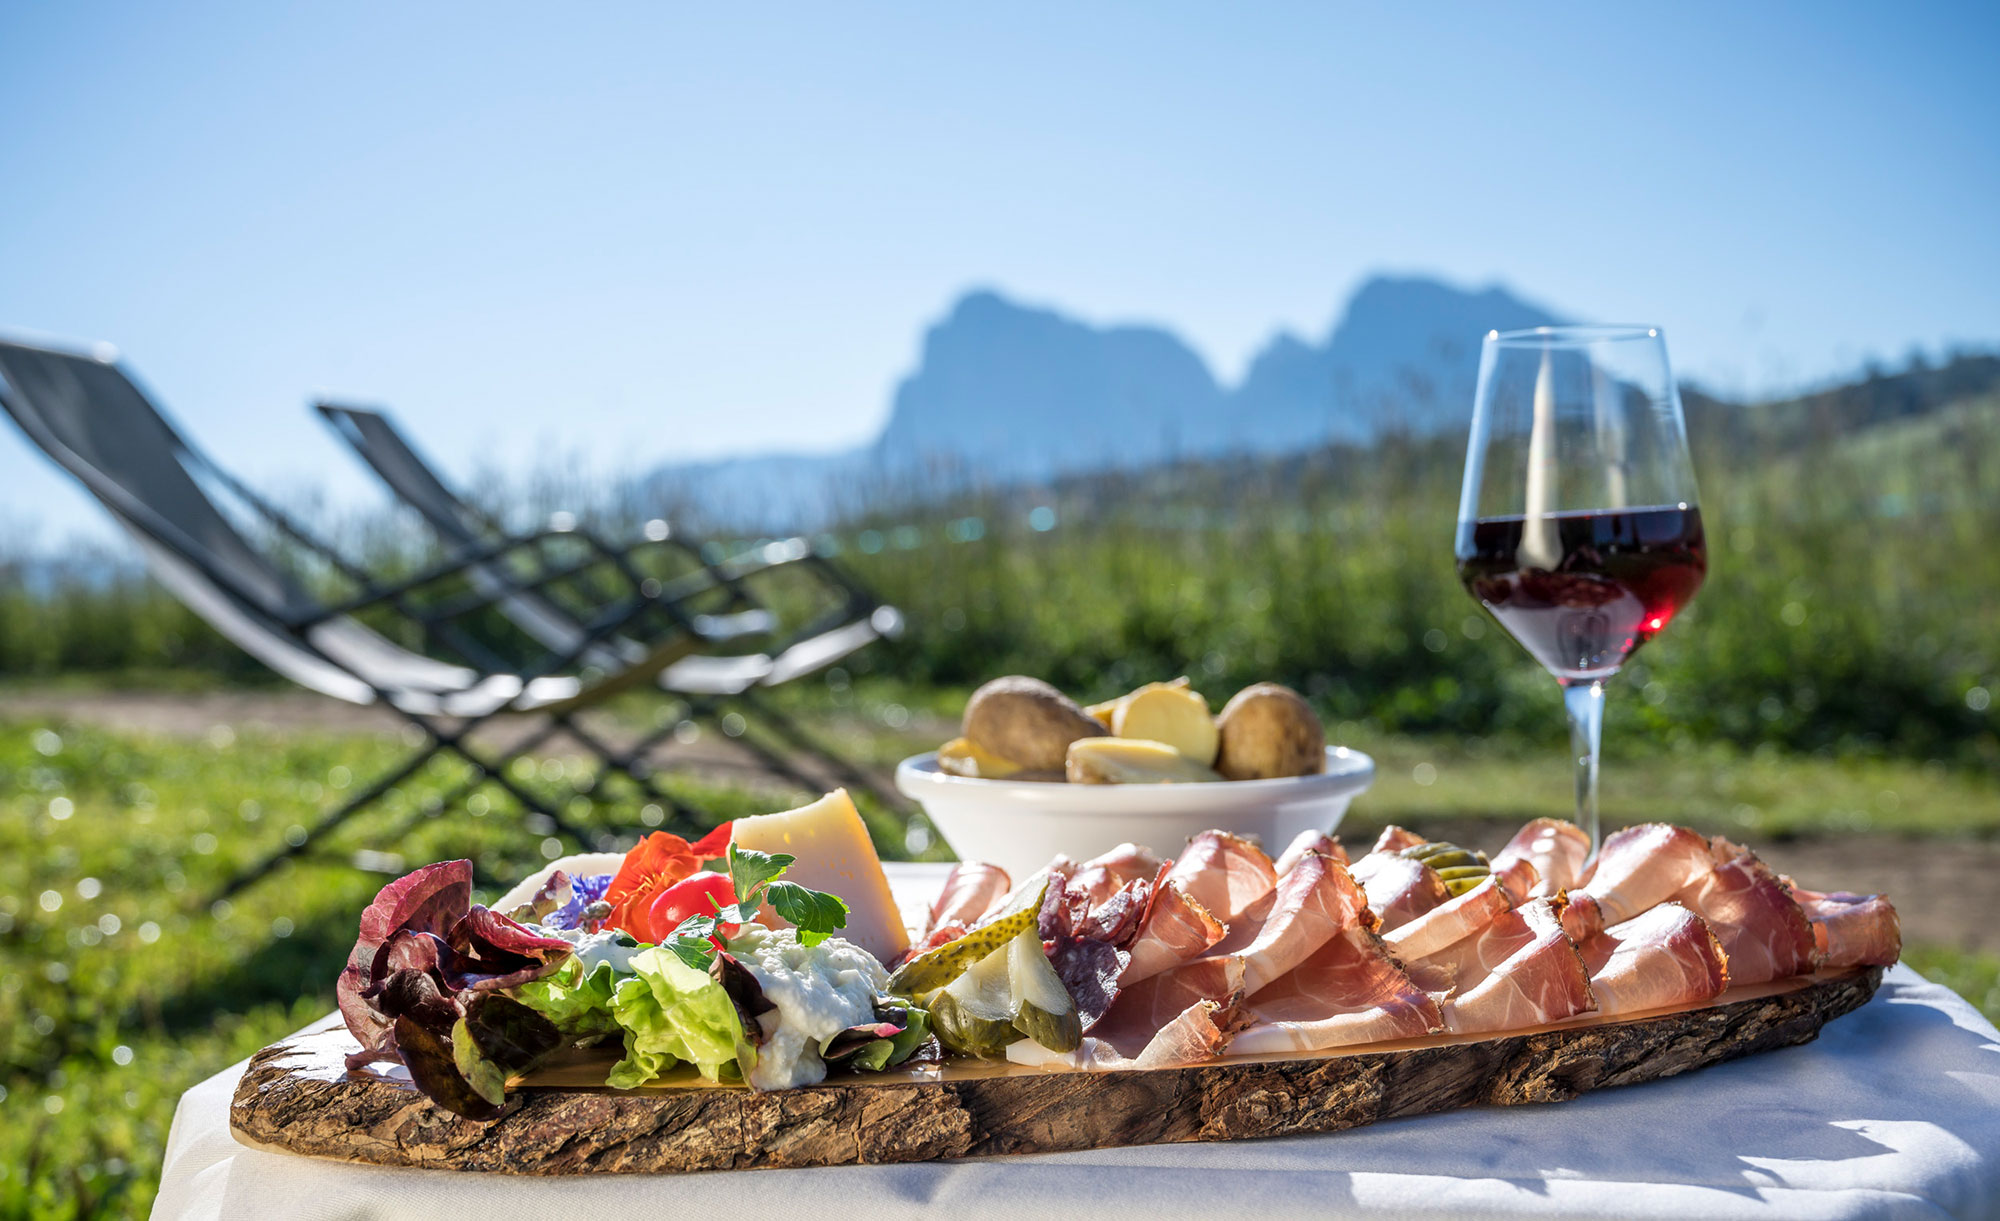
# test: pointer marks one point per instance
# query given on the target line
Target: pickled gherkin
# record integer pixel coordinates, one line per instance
(1010, 993)
(933, 969)
(1460, 869)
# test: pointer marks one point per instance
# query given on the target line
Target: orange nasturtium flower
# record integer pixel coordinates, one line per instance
(654, 864)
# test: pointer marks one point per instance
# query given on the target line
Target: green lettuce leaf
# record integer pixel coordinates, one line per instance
(672, 1013)
(578, 1004)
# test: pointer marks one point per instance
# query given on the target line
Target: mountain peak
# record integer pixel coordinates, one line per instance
(1009, 391)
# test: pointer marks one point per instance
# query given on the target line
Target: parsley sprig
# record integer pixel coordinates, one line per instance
(754, 877)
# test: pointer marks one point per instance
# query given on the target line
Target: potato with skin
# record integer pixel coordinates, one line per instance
(1174, 713)
(1267, 731)
(1026, 721)
(1132, 761)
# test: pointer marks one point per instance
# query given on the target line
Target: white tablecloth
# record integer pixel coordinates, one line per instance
(1893, 1112)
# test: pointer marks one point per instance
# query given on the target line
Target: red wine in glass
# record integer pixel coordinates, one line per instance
(1582, 590)
(1577, 525)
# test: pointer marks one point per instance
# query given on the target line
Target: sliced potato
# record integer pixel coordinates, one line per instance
(1268, 730)
(1132, 761)
(1026, 721)
(964, 757)
(1174, 713)
(1102, 713)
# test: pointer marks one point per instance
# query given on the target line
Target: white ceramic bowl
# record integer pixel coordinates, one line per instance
(1020, 825)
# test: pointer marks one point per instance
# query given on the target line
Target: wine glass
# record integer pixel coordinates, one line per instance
(1577, 527)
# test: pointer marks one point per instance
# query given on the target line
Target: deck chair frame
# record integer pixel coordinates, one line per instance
(79, 407)
(710, 692)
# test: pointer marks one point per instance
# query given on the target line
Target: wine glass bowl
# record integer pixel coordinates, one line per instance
(1578, 528)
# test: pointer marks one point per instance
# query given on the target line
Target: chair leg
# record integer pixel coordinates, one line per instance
(497, 773)
(332, 819)
(796, 736)
(631, 764)
(714, 711)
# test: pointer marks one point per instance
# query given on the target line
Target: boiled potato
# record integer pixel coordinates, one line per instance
(1174, 713)
(1268, 730)
(1131, 761)
(963, 757)
(1026, 721)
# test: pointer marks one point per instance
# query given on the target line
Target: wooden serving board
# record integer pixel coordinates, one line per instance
(296, 1096)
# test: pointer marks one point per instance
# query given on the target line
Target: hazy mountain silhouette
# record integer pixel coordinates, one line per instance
(1005, 391)
(1404, 357)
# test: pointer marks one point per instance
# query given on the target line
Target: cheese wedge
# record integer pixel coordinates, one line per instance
(834, 855)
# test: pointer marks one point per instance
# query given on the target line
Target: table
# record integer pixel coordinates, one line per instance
(1893, 1112)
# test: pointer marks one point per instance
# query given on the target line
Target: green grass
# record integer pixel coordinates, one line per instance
(120, 987)
(1762, 794)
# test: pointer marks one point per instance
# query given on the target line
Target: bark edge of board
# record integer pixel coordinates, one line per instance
(556, 1131)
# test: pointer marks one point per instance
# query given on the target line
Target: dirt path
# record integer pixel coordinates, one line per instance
(709, 755)
(1945, 890)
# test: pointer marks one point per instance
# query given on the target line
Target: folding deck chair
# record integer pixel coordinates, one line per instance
(712, 686)
(91, 418)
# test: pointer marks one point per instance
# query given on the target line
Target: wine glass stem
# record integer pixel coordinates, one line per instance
(1584, 701)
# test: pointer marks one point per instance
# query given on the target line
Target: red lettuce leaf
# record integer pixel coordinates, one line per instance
(508, 1033)
(1086, 945)
(429, 900)
(487, 951)
(434, 1069)
(412, 994)
(744, 992)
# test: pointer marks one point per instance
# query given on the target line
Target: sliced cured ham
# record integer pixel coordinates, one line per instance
(1311, 905)
(970, 891)
(1191, 1036)
(1449, 922)
(1764, 932)
(1554, 848)
(1349, 991)
(1175, 929)
(1852, 930)
(1395, 839)
(1636, 868)
(1399, 889)
(1666, 956)
(1309, 841)
(1519, 881)
(1102, 876)
(1520, 970)
(1226, 950)
(1224, 873)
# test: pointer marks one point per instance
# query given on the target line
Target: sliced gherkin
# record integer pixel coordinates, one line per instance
(933, 969)
(1439, 854)
(1012, 992)
(1046, 1013)
(1462, 878)
(1460, 869)
(974, 1014)
(1449, 859)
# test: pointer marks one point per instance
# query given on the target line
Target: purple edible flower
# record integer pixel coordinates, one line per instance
(588, 890)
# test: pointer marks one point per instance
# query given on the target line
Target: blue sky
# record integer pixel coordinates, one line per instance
(632, 233)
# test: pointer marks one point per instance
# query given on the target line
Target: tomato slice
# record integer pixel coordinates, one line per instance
(698, 894)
